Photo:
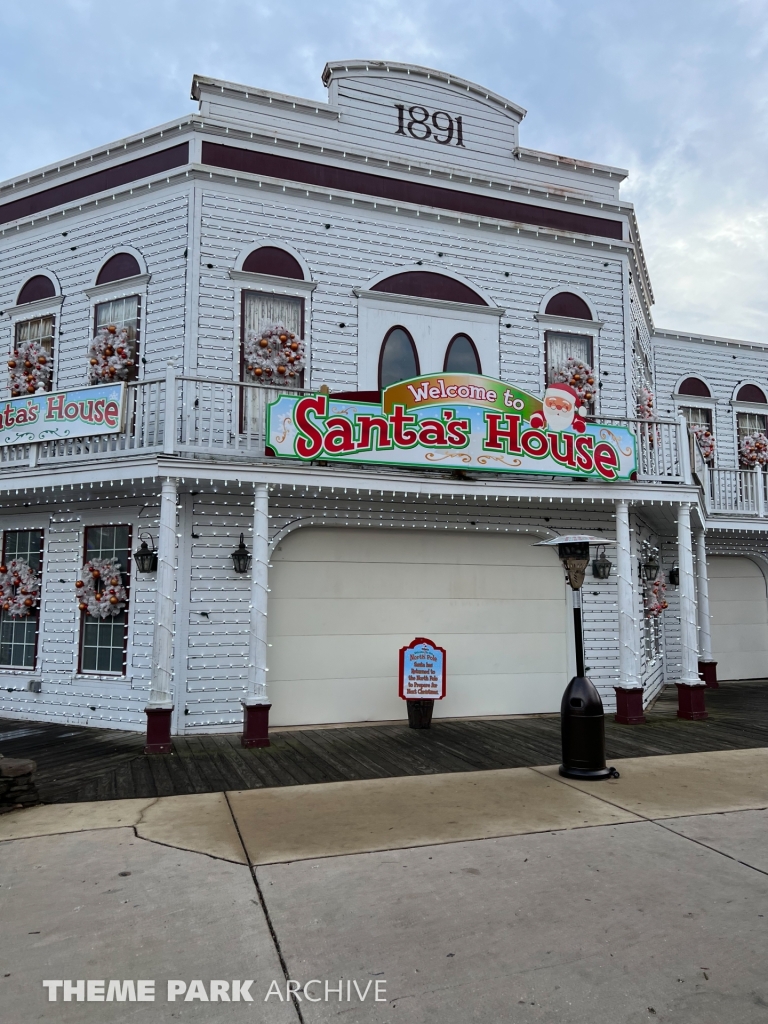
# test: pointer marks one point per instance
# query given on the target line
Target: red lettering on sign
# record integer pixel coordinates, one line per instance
(310, 441)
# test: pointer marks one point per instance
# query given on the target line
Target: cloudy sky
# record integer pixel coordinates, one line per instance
(674, 90)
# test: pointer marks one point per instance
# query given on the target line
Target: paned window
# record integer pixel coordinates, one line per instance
(18, 636)
(40, 330)
(697, 416)
(123, 313)
(461, 356)
(398, 359)
(103, 641)
(561, 346)
(750, 423)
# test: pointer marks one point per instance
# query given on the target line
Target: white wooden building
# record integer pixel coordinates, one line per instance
(398, 230)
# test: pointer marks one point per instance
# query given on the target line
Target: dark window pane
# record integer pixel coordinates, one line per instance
(398, 358)
(103, 640)
(695, 387)
(461, 356)
(18, 636)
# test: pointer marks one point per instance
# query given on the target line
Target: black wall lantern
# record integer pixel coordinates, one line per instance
(650, 568)
(601, 566)
(674, 575)
(241, 557)
(145, 558)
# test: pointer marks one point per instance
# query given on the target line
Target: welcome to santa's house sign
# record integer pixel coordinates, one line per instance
(454, 420)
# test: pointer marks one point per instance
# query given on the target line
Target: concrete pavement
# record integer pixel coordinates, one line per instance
(486, 896)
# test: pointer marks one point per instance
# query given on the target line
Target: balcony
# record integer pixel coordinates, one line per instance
(226, 420)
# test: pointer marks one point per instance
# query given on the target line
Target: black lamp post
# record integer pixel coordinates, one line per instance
(674, 575)
(145, 558)
(582, 720)
(241, 557)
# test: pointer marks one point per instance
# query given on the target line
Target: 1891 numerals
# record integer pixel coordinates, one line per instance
(439, 126)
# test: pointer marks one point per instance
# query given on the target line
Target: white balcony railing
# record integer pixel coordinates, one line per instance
(228, 419)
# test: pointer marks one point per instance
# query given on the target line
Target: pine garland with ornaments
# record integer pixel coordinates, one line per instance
(579, 375)
(30, 367)
(656, 598)
(111, 355)
(19, 589)
(753, 450)
(706, 441)
(273, 354)
(100, 591)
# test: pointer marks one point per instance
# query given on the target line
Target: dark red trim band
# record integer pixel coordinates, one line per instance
(252, 162)
(99, 181)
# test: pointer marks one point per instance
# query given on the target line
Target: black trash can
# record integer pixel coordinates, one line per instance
(420, 713)
(582, 726)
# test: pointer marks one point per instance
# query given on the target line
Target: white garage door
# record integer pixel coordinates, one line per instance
(344, 601)
(739, 610)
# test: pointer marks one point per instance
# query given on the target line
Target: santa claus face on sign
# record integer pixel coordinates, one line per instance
(559, 408)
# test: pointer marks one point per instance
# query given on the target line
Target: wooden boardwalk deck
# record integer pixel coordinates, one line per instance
(76, 764)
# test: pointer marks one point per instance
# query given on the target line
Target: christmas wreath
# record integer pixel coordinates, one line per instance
(19, 589)
(579, 375)
(30, 367)
(645, 401)
(706, 440)
(111, 355)
(273, 354)
(656, 598)
(753, 450)
(100, 591)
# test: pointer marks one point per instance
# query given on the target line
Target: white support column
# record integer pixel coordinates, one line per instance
(629, 641)
(257, 651)
(161, 695)
(702, 593)
(688, 626)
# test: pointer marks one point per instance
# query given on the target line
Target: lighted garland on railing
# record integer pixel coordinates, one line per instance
(19, 589)
(111, 355)
(753, 450)
(706, 441)
(30, 367)
(273, 354)
(100, 591)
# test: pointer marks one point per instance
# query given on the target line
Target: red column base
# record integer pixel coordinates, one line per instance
(690, 702)
(255, 725)
(708, 672)
(629, 706)
(158, 731)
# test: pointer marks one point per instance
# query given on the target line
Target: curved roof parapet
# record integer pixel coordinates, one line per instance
(346, 68)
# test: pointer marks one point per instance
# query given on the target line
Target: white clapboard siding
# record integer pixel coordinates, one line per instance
(157, 228)
(353, 252)
(723, 366)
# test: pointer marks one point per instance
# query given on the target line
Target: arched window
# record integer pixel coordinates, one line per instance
(37, 287)
(398, 359)
(271, 260)
(695, 387)
(425, 284)
(118, 267)
(568, 304)
(461, 356)
(751, 393)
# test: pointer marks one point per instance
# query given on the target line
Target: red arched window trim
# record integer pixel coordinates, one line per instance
(751, 393)
(270, 260)
(694, 387)
(568, 304)
(118, 267)
(37, 287)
